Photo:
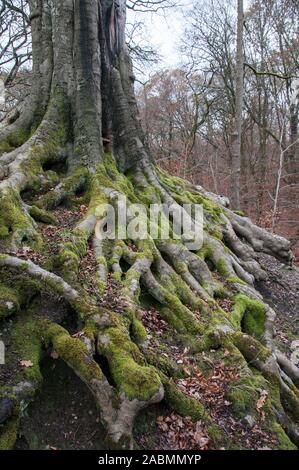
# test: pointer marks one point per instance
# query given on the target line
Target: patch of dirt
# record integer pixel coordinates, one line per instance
(63, 415)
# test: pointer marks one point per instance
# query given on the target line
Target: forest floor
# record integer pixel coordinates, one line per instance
(170, 431)
(70, 420)
(64, 416)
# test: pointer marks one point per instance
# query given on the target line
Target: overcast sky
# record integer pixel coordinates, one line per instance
(164, 30)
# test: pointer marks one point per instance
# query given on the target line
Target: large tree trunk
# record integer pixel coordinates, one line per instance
(83, 115)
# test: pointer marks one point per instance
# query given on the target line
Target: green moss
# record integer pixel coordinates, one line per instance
(26, 289)
(251, 313)
(17, 138)
(14, 222)
(5, 147)
(73, 351)
(218, 436)
(181, 267)
(17, 292)
(127, 366)
(184, 193)
(139, 333)
(4, 232)
(149, 195)
(70, 253)
(69, 186)
(101, 260)
(182, 404)
(171, 318)
(174, 311)
(235, 280)
(206, 252)
(43, 216)
(9, 301)
(108, 176)
(55, 136)
(9, 434)
(284, 441)
(26, 340)
(241, 213)
(251, 348)
(245, 393)
(222, 268)
(199, 344)
(164, 364)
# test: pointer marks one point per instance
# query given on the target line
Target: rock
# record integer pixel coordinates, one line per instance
(249, 421)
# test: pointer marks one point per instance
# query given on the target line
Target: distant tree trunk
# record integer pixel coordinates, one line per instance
(83, 117)
(289, 196)
(237, 135)
(292, 156)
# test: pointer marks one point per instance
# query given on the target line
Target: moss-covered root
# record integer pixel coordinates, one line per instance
(137, 385)
(261, 240)
(191, 268)
(15, 295)
(64, 190)
(67, 261)
(40, 215)
(9, 301)
(257, 355)
(130, 373)
(173, 310)
(26, 344)
(249, 315)
(51, 280)
(102, 268)
(17, 227)
(265, 361)
(76, 354)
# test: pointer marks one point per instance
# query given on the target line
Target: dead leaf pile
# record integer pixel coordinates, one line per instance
(210, 391)
(226, 304)
(153, 321)
(181, 433)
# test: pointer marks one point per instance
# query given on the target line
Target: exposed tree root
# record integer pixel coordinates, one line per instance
(184, 284)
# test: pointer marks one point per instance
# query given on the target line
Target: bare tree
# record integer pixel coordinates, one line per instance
(237, 135)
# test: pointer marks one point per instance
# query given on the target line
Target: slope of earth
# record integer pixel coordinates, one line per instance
(281, 292)
(169, 431)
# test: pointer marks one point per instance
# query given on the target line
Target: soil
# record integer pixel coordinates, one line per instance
(63, 415)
